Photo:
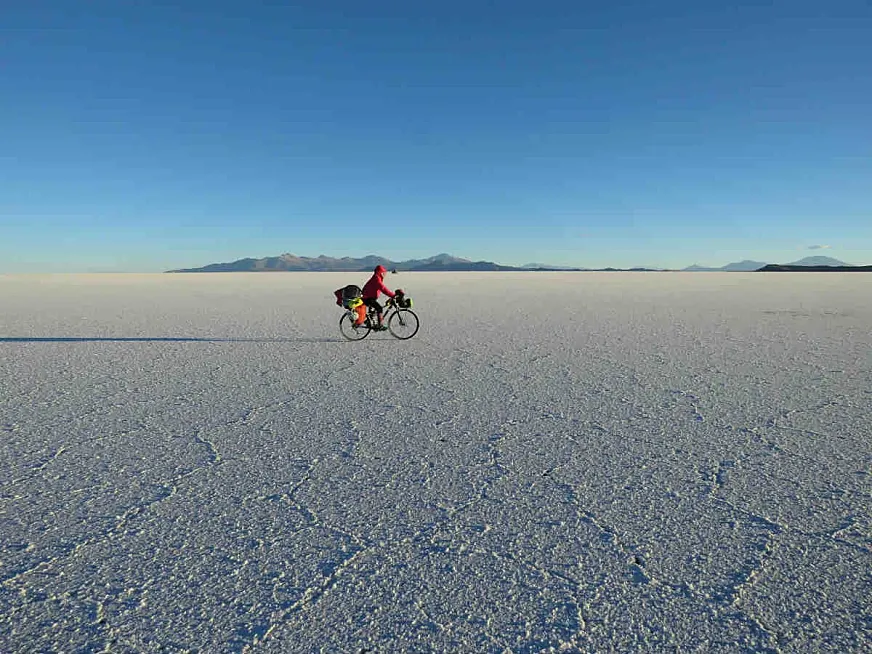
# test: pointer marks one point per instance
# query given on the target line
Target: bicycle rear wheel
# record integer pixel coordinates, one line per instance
(403, 324)
(349, 331)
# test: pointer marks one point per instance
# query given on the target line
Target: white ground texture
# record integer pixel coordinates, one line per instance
(557, 462)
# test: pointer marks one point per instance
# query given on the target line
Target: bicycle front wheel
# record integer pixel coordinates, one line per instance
(403, 324)
(349, 331)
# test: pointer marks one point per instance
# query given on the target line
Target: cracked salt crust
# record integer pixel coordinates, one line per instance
(557, 462)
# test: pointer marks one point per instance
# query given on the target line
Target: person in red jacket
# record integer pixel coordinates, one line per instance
(371, 291)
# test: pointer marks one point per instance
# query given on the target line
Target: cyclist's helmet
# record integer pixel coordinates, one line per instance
(380, 270)
(400, 291)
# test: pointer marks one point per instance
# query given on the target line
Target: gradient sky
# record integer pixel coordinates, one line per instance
(148, 136)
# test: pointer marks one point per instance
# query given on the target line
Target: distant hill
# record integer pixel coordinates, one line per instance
(545, 266)
(746, 265)
(460, 265)
(818, 261)
(815, 264)
(749, 265)
(775, 267)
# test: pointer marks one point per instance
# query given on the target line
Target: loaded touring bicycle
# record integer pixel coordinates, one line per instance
(401, 321)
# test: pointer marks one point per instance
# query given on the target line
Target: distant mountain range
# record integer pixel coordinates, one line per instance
(438, 263)
(775, 267)
(322, 263)
(446, 262)
(739, 266)
(750, 266)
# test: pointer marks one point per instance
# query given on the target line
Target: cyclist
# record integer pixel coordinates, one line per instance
(371, 291)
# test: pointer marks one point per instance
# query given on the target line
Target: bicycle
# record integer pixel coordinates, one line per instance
(401, 321)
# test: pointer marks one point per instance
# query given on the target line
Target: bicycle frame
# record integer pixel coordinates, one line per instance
(372, 315)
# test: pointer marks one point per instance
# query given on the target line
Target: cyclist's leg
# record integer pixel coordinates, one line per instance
(374, 303)
(368, 302)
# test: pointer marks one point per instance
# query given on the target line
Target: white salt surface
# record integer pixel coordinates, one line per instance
(556, 462)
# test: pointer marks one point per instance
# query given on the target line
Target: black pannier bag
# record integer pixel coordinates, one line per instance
(351, 291)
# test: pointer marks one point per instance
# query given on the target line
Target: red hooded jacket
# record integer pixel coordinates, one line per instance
(374, 286)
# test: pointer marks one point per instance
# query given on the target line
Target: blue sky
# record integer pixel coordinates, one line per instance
(149, 136)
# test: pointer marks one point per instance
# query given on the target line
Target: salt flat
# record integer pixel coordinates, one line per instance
(556, 462)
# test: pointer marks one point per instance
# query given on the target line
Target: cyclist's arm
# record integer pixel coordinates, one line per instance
(386, 290)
